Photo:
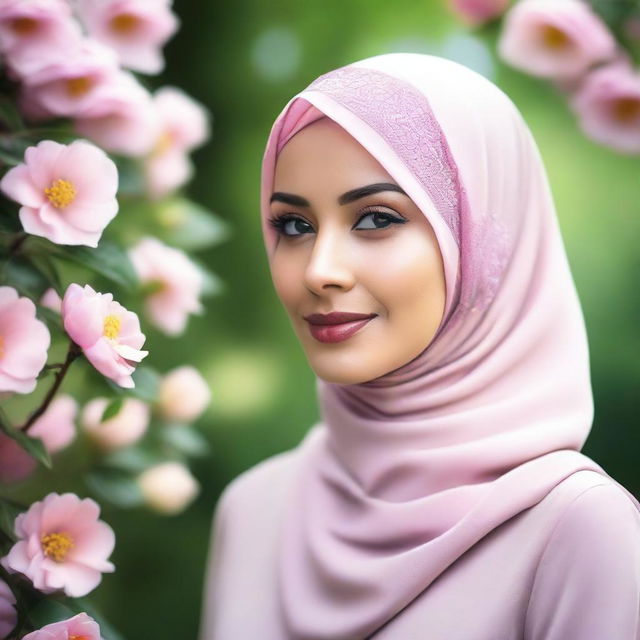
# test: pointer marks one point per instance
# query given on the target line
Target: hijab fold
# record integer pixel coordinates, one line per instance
(405, 473)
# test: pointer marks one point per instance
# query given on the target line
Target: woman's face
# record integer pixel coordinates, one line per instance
(346, 245)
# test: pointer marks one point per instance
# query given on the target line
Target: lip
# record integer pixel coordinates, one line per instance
(337, 326)
(336, 317)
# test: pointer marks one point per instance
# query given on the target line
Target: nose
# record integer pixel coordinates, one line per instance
(329, 266)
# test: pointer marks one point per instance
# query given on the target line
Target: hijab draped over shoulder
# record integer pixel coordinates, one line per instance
(404, 473)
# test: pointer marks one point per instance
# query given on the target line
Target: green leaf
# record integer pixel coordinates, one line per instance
(9, 114)
(8, 515)
(45, 266)
(107, 259)
(112, 409)
(147, 381)
(51, 317)
(132, 459)
(190, 226)
(186, 439)
(48, 611)
(116, 487)
(21, 273)
(33, 446)
(9, 221)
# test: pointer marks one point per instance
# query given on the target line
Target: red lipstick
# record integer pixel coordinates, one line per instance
(337, 325)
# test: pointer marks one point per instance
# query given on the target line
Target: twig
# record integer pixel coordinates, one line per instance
(73, 352)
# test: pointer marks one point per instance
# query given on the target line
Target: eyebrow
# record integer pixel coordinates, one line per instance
(345, 198)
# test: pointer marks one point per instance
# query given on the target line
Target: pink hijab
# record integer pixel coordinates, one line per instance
(406, 472)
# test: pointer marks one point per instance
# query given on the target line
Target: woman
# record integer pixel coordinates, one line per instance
(442, 495)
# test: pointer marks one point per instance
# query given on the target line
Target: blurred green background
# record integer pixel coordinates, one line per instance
(244, 60)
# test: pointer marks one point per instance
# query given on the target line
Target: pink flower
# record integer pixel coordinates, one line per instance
(554, 38)
(135, 29)
(120, 117)
(32, 30)
(67, 192)
(15, 463)
(8, 613)
(184, 125)
(121, 430)
(24, 341)
(109, 335)
(80, 627)
(62, 545)
(168, 487)
(51, 300)
(66, 85)
(184, 394)
(478, 11)
(55, 427)
(174, 283)
(608, 107)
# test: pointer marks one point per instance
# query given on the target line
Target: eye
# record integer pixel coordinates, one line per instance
(377, 220)
(288, 225)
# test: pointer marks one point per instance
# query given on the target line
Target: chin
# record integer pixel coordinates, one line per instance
(339, 373)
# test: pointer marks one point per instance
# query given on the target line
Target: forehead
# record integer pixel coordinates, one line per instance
(323, 153)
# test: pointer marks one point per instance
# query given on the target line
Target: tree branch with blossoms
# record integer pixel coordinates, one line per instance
(89, 161)
(588, 49)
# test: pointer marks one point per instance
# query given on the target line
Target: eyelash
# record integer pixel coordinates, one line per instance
(279, 222)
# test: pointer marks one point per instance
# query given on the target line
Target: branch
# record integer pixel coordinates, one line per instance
(72, 354)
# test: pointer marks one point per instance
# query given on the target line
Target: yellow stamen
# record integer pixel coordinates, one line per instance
(61, 193)
(77, 87)
(78, 637)
(111, 327)
(125, 23)
(24, 26)
(626, 109)
(164, 143)
(555, 38)
(56, 545)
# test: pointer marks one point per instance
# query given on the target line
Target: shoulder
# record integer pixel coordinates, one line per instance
(596, 506)
(259, 486)
(587, 580)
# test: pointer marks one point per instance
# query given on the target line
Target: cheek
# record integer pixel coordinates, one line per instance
(287, 278)
(410, 281)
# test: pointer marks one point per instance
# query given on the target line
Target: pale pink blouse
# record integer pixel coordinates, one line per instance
(567, 568)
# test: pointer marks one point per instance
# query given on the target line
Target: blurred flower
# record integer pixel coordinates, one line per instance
(184, 125)
(108, 333)
(476, 12)
(15, 463)
(168, 487)
(55, 427)
(554, 38)
(80, 627)
(62, 545)
(608, 107)
(67, 192)
(120, 118)
(30, 30)
(24, 341)
(184, 394)
(65, 85)
(122, 429)
(135, 29)
(51, 300)
(8, 613)
(173, 281)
